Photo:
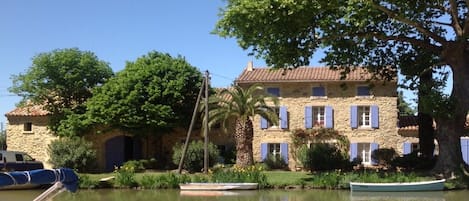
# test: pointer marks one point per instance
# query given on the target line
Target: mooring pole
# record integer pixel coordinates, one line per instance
(194, 114)
(206, 155)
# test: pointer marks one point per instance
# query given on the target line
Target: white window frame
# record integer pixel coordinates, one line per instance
(319, 116)
(364, 116)
(364, 151)
(270, 125)
(274, 149)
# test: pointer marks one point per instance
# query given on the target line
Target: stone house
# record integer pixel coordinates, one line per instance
(27, 131)
(365, 111)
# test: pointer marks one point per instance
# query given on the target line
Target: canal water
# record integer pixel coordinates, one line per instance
(262, 195)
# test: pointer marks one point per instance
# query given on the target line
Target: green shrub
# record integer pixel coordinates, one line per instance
(125, 177)
(275, 162)
(169, 180)
(413, 161)
(323, 157)
(72, 152)
(194, 160)
(86, 182)
(384, 156)
(151, 163)
(137, 166)
(251, 174)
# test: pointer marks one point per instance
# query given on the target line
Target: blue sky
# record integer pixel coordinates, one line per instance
(116, 31)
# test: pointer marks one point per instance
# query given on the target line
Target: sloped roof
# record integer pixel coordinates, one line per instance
(28, 111)
(408, 123)
(300, 74)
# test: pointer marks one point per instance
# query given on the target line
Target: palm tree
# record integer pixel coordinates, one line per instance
(241, 105)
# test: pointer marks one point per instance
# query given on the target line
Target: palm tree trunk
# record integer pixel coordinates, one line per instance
(243, 136)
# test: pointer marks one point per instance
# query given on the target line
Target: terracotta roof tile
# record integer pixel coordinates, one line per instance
(301, 74)
(29, 110)
(408, 123)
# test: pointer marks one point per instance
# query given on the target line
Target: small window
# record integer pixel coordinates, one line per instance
(363, 91)
(19, 157)
(27, 157)
(28, 127)
(415, 147)
(274, 91)
(319, 91)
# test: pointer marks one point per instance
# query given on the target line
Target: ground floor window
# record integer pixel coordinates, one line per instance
(362, 151)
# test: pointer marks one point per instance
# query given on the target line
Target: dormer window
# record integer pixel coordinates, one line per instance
(319, 91)
(274, 91)
(363, 91)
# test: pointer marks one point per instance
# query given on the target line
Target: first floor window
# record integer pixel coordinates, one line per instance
(318, 116)
(282, 114)
(364, 116)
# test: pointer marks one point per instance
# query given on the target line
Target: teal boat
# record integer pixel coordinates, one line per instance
(436, 185)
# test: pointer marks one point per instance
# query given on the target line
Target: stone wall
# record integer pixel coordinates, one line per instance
(33, 142)
(295, 96)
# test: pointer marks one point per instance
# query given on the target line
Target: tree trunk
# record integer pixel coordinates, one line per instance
(243, 136)
(425, 120)
(450, 125)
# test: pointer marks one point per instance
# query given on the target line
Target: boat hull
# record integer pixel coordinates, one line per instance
(217, 186)
(437, 185)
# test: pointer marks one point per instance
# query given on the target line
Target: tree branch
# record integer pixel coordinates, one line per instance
(404, 20)
(453, 11)
(421, 43)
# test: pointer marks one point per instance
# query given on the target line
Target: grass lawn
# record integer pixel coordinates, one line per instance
(285, 178)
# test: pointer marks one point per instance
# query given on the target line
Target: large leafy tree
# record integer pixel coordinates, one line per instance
(376, 34)
(62, 81)
(241, 105)
(150, 96)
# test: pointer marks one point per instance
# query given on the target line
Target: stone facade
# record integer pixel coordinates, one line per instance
(296, 95)
(34, 142)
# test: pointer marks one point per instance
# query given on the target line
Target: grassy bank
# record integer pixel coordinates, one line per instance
(267, 179)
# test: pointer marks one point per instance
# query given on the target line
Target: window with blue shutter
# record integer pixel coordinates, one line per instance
(284, 151)
(264, 123)
(283, 117)
(363, 91)
(319, 91)
(465, 149)
(373, 147)
(308, 117)
(354, 116)
(329, 117)
(274, 91)
(407, 148)
(353, 151)
(264, 151)
(374, 116)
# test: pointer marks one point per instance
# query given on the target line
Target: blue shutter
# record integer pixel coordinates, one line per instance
(407, 147)
(354, 116)
(308, 117)
(374, 116)
(274, 91)
(283, 117)
(353, 151)
(329, 117)
(465, 149)
(263, 151)
(319, 91)
(284, 151)
(373, 147)
(363, 91)
(263, 123)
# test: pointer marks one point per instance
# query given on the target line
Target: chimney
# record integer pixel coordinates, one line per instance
(249, 67)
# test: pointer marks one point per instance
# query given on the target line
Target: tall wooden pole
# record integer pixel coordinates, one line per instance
(206, 155)
(194, 114)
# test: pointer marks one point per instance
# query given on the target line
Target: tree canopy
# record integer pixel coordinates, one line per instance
(151, 95)
(62, 80)
(382, 35)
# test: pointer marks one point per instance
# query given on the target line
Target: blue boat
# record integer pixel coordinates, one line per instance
(62, 178)
(436, 185)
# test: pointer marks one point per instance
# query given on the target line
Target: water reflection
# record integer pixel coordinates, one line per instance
(263, 195)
